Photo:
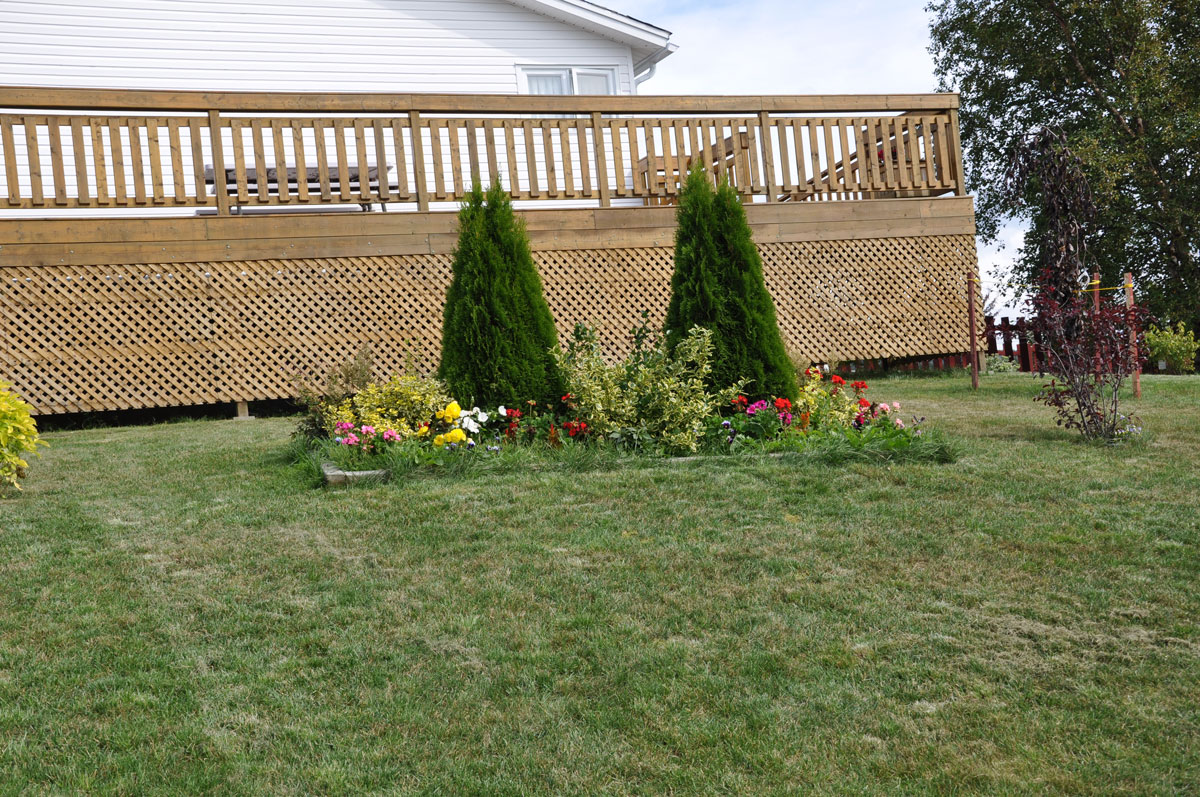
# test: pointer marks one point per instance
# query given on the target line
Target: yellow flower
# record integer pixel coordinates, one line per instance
(452, 411)
(423, 431)
(439, 441)
(456, 436)
(441, 414)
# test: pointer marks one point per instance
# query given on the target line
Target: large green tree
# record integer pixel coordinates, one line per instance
(497, 331)
(1122, 80)
(718, 284)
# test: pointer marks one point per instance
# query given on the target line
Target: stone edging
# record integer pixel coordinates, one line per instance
(336, 476)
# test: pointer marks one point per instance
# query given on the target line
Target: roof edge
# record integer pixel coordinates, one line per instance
(605, 22)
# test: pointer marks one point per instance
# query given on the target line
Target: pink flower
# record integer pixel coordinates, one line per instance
(350, 440)
(344, 427)
(884, 408)
(899, 424)
(896, 405)
(369, 431)
(390, 435)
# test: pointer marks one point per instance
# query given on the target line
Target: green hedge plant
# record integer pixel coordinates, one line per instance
(718, 285)
(497, 331)
(1176, 347)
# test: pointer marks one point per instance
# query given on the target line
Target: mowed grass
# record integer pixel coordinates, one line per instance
(181, 612)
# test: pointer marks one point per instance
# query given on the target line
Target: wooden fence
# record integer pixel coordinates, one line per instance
(70, 148)
(1014, 340)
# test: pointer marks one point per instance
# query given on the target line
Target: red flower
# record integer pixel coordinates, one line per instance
(782, 404)
(862, 402)
(811, 372)
(740, 401)
(837, 380)
(859, 385)
(567, 397)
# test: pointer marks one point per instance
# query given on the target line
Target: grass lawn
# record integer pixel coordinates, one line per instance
(180, 611)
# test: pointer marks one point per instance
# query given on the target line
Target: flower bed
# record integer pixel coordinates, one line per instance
(651, 406)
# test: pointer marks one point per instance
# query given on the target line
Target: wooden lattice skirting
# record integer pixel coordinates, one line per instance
(124, 335)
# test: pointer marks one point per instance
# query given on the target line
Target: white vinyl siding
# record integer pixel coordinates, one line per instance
(292, 45)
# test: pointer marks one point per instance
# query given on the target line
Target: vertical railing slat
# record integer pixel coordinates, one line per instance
(238, 137)
(99, 162)
(175, 146)
(8, 149)
(279, 155)
(34, 156)
(78, 149)
(298, 148)
(154, 146)
(320, 126)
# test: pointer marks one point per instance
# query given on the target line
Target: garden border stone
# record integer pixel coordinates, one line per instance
(334, 475)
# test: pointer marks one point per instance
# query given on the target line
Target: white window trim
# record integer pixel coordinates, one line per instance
(572, 74)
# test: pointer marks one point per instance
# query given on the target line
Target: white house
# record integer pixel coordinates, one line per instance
(484, 46)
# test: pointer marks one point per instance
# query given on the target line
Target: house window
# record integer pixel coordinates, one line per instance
(568, 80)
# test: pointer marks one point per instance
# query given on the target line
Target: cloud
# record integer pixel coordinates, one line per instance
(790, 47)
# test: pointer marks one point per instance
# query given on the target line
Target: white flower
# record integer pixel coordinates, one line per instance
(503, 413)
(468, 423)
(483, 416)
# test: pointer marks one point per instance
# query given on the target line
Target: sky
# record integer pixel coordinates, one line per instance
(803, 47)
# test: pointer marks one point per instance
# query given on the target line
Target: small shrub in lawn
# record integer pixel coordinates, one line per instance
(1089, 348)
(18, 437)
(1175, 347)
(999, 364)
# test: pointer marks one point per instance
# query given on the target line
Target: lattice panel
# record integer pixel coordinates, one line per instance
(92, 338)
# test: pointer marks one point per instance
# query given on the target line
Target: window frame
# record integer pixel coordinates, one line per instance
(571, 73)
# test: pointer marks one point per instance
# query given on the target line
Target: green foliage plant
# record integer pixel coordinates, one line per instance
(402, 404)
(718, 285)
(497, 331)
(657, 399)
(18, 437)
(1176, 346)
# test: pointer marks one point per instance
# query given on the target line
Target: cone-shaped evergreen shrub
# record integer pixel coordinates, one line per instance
(497, 331)
(718, 284)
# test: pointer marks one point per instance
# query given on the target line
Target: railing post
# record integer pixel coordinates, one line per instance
(956, 166)
(418, 148)
(768, 150)
(220, 184)
(601, 160)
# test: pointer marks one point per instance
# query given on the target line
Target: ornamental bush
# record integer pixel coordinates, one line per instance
(654, 400)
(1175, 347)
(401, 404)
(497, 331)
(718, 284)
(18, 437)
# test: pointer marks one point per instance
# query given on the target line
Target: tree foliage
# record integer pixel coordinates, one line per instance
(718, 284)
(1091, 345)
(497, 332)
(1122, 80)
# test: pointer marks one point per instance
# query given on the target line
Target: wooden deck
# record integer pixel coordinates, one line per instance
(132, 275)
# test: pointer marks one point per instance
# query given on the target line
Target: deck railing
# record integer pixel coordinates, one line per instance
(78, 148)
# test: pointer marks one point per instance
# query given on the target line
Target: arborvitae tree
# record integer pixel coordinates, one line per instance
(497, 331)
(718, 284)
